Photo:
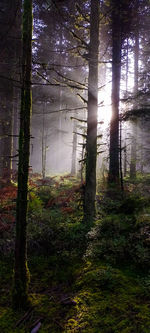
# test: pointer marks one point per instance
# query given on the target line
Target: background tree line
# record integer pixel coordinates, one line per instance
(77, 48)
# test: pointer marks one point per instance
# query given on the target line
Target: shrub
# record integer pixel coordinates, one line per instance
(121, 239)
(45, 194)
(34, 203)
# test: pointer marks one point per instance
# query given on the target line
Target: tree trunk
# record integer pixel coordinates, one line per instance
(120, 150)
(136, 73)
(91, 144)
(9, 13)
(15, 132)
(43, 144)
(7, 133)
(141, 146)
(125, 129)
(116, 69)
(21, 273)
(133, 151)
(74, 150)
(125, 161)
(127, 66)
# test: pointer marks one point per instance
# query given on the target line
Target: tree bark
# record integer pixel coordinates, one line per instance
(44, 142)
(91, 144)
(10, 10)
(116, 69)
(134, 126)
(74, 150)
(21, 273)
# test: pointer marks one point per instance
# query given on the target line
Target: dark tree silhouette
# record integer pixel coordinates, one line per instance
(21, 273)
(91, 145)
(116, 69)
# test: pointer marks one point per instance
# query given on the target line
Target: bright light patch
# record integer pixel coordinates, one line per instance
(104, 102)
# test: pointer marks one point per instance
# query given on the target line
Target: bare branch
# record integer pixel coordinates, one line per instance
(82, 98)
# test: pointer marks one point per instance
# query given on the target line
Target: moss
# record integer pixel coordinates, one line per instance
(109, 301)
(8, 320)
(20, 297)
(107, 297)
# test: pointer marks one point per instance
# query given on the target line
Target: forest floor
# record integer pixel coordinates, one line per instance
(83, 279)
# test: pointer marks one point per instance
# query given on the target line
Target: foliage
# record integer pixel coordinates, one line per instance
(121, 239)
(34, 203)
(82, 280)
(45, 194)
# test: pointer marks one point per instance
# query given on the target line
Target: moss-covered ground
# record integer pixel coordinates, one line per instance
(83, 279)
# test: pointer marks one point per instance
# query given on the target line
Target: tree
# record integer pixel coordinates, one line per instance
(21, 273)
(116, 69)
(91, 143)
(9, 58)
(136, 79)
(58, 62)
(74, 150)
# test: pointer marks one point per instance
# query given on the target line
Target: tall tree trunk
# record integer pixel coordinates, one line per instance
(15, 132)
(136, 74)
(116, 69)
(133, 151)
(125, 130)
(43, 144)
(91, 145)
(82, 164)
(74, 150)
(8, 18)
(127, 65)
(60, 117)
(7, 132)
(21, 273)
(141, 145)
(120, 164)
(17, 92)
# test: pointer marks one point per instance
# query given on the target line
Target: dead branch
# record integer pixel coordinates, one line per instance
(25, 317)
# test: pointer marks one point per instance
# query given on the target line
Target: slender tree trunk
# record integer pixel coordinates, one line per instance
(91, 145)
(9, 13)
(127, 65)
(142, 152)
(7, 131)
(82, 165)
(74, 150)
(133, 151)
(15, 132)
(21, 273)
(116, 69)
(17, 93)
(134, 126)
(121, 173)
(125, 161)
(60, 118)
(126, 80)
(43, 144)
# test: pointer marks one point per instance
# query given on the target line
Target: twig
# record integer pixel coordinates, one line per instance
(26, 315)
(36, 322)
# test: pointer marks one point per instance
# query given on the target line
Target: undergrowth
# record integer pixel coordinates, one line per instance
(93, 280)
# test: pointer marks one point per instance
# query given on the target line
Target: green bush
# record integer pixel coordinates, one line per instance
(133, 204)
(121, 239)
(45, 194)
(34, 203)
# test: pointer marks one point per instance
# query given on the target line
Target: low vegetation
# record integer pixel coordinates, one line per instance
(83, 279)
